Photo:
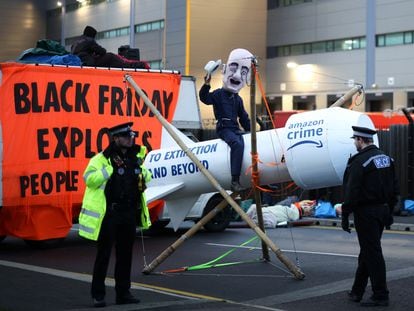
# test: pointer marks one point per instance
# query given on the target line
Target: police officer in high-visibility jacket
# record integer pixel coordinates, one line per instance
(113, 206)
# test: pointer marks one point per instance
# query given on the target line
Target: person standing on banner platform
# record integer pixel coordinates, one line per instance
(113, 206)
(229, 109)
(370, 192)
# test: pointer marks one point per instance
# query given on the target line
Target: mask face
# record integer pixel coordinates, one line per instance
(236, 72)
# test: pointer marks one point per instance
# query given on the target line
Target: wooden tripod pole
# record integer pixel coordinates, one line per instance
(294, 269)
(255, 172)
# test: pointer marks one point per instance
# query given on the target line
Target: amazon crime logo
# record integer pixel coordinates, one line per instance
(306, 132)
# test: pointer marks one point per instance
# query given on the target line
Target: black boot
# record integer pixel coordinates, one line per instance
(235, 184)
(126, 299)
(99, 302)
(352, 296)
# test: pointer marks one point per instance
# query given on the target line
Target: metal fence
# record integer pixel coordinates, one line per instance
(398, 143)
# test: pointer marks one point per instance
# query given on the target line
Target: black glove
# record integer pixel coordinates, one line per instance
(389, 221)
(345, 223)
(107, 152)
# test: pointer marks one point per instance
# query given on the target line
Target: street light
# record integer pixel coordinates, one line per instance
(292, 65)
(303, 73)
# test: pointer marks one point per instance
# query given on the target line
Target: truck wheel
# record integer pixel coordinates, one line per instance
(45, 244)
(221, 221)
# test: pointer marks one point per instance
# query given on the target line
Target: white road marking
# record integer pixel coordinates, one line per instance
(285, 250)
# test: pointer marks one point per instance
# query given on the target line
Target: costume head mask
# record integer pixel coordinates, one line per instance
(236, 73)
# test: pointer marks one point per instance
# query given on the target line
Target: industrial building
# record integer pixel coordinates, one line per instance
(309, 52)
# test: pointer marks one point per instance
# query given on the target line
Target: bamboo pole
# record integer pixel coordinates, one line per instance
(285, 260)
(255, 173)
(193, 230)
(356, 89)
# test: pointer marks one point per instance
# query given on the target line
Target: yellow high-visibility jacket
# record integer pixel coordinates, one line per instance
(96, 176)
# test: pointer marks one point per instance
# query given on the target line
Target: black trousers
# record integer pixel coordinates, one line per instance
(123, 236)
(236, 143)
(369, 224)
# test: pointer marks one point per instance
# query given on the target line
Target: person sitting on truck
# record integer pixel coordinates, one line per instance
(94, 55)
(113, 206)
(229, 109)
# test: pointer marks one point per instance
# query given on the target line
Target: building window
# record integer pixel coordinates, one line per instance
(286, 51)
(271, 52)
(408, 37)
(113, 33)
(307, 47)
(380, 40)
(347, 44)
(273, 4)
(297, 49)
(155, 64)
(318, 47)
(149, 26)
(329, 46)
(394, 39)
(121, 32)
(363, 41)
(293, 2)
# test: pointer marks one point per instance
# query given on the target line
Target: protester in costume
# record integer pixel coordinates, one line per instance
(229, 109)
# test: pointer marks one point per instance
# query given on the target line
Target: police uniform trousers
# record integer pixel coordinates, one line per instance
(234, 139)
(369, 224)
(123, 236)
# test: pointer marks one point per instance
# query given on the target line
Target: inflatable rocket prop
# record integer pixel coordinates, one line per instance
(312, 150)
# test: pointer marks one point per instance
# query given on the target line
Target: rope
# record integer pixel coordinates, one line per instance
(143, 248)
(127, 88)
(126, 94)
(354, 102)
(255, 176)
(255, 157)
(214, 263)
(259, 83)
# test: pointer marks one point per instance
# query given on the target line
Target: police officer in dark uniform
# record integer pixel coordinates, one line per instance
(124, 205)
(370, 193)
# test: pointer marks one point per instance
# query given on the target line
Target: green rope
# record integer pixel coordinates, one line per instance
(213, 264)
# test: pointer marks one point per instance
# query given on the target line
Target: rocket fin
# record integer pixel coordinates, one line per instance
(158, 192)
(179, 208)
